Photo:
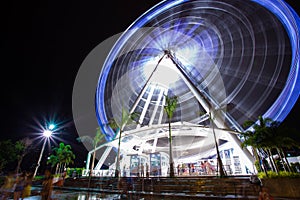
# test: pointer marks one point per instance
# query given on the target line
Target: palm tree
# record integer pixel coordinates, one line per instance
(250, 139)
(118, 126)
(269, 135)
(169, 108)
(94, 141)
(53, 160)
(282, 138)
(65, 155)
(257, 138)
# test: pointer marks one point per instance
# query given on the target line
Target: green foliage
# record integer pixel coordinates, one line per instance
(71, 170)
(279, 164)
(62, 155)
(53, 160)
(126, 118)
(22, 147)
(7, 153)
(171, 104)
(99, 137)
(38, 177)
(257, 165)
(268, 135)
(118, 124)
(281, 174)
(10, 151)
(261, 136)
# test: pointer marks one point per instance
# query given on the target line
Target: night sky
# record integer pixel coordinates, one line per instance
(43, 44)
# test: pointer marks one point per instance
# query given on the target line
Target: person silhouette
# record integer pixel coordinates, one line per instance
(142, 170)
(20, 183)
(47, 185)
(8, 187)
(27, 186)
(147, 170)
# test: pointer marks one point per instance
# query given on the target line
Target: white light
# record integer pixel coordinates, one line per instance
(51, 126)
(165, 74)
(47, 133)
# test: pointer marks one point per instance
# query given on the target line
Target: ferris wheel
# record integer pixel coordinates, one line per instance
(236, 59)
(242, 55)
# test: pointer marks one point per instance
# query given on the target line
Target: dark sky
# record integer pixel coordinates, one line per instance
(43, 44)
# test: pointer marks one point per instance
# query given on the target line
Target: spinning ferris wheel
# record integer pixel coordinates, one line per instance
(237, 59)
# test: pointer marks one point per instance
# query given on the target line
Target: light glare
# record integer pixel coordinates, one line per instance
(47, 133)
(51, 126)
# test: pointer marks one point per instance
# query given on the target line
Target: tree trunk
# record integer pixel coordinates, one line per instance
(170, 151)
(117, 171)
(286, 161)
(93, 161)
(270, 162)
(92, 167)
(283, 163)
(19, 164)
(274, 167)
(60, 168)
(265, 169)
(57, 167)
(257, 158)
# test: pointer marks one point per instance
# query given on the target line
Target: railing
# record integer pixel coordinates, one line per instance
(188, 186)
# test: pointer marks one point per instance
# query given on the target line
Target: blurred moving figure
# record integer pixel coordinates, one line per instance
(47, 186)
(8, 187)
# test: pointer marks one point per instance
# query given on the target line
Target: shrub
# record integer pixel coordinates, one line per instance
(77, 170)
(281, 174)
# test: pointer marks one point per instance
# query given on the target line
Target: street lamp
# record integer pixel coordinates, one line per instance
(47, 133)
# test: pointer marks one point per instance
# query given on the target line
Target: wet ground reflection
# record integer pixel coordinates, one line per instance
(71, 195)
(76, 195)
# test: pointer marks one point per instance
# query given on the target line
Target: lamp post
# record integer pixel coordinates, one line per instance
(46, 134)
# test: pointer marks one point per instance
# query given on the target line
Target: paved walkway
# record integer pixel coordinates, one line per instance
(67, 195)
(115, 197)
(81, 193)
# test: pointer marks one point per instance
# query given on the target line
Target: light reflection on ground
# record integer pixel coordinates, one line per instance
(71, 195)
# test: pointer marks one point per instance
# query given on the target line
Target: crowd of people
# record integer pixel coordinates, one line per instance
(205, 168)
(16, 185)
